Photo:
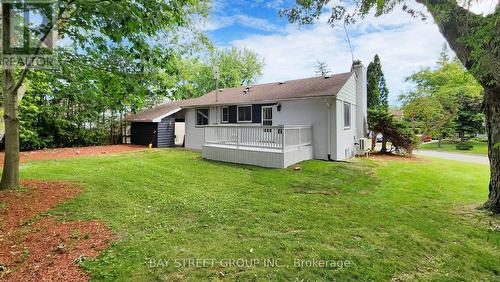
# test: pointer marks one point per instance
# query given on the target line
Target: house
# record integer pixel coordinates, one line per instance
(271, 125)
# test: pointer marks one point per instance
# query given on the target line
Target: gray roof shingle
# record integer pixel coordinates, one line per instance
(269, 92)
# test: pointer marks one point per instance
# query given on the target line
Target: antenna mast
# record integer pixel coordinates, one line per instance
(216, 77)
(349, 41)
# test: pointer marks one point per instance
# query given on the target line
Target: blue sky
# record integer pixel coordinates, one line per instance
(290, 51)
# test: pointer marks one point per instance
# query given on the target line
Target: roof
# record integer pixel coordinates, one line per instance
(269, 92)
(157, 113)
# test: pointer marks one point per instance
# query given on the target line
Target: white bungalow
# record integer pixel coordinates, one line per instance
(271, 125)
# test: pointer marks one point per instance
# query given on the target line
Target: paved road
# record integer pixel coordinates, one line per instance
(477, 159)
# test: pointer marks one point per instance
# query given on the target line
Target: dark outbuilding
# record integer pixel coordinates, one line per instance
(156, 126)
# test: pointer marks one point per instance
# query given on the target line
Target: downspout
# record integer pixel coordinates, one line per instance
(329, 105)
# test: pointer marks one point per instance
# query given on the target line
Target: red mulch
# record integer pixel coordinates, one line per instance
(45, 249)
(74, 152)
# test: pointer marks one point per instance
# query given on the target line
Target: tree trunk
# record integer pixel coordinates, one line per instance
(374, 141)
(384, 145)
(10, 175)
(439, 141)
(492, 113)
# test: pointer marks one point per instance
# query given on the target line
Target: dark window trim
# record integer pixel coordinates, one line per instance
(208, 116)
(222, 115)
(238, 114)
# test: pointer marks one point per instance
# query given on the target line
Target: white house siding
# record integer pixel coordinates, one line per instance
(344, 138)
(348, 92)
(313, 111)
(195, 135)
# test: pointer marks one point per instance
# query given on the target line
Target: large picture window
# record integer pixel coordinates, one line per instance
(347, 115)
(225, 115)
(202, 116)
(244, 113)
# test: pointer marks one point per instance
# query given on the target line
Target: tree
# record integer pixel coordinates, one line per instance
(474, 39)
(469, 119)
(236, 67)
(438, 98)
(396, 131)
(378, 95)
(321, 68)
(428, 114)
(90, 25)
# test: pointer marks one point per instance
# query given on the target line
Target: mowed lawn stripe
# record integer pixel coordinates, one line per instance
(391, 219)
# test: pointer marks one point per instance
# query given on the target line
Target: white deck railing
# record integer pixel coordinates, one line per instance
(265, 137)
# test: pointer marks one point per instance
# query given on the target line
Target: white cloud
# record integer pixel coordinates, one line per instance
(275, 4)
(404, 45)
(219, 22)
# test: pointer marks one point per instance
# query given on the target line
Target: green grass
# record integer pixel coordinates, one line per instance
(480, 148)
(391, 219)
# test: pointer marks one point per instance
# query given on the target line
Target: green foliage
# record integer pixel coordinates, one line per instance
(172, 204)
(121, 59)
(464, 146)
(445, 100)
(378, 94)
(236, 67)
(473, 37)
(394, 130)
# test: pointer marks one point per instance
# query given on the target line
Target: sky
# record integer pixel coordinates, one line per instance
(290, 51)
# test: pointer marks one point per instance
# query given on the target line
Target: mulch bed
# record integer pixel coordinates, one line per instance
(37, 247)
(74, 152)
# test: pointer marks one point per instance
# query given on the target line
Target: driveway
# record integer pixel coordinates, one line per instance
(477, 159)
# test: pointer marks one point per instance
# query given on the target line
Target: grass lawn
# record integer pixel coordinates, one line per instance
(388, 219)
(480, 148)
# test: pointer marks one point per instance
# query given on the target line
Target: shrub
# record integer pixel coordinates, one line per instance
(464, 146)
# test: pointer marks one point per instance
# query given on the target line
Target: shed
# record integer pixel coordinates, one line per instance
(156, 126)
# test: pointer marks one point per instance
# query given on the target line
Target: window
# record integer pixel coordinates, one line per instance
(202, 116)
(267, 116)
(347, 115)
(245, 114)
(225, 115)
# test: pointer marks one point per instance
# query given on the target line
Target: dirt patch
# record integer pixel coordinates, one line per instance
(74, 152)
(393, 157)
(37, 247)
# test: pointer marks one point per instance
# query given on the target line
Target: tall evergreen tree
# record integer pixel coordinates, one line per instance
(378, 94)
(373, 90)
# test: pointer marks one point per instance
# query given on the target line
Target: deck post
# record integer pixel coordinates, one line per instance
(238, 137)
(283, 139)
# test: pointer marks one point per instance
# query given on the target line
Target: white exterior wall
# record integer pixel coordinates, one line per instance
(313, 112)
(195, 135)
(344, 138)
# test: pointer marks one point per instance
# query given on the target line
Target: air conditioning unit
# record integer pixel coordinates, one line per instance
(364, 145)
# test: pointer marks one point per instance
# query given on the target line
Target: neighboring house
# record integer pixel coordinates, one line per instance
(272, 125)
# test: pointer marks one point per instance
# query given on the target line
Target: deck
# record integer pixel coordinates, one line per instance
(266, 146)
